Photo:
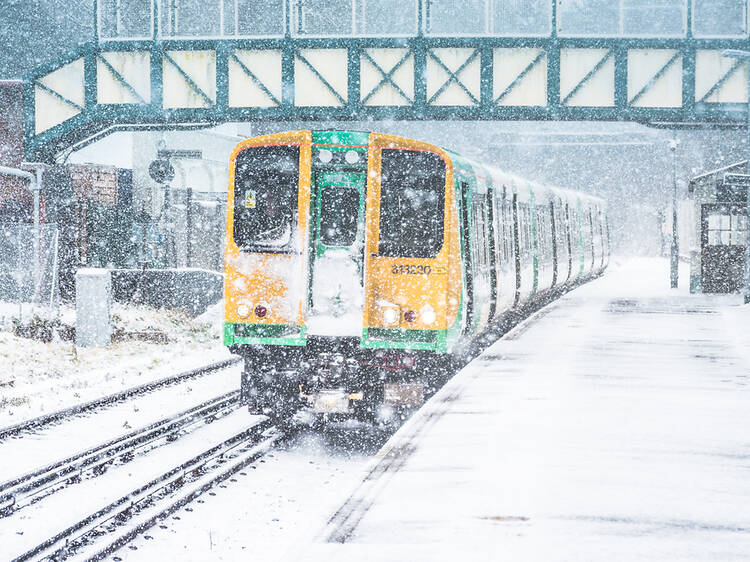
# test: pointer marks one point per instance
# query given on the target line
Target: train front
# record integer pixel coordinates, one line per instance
(342, 272)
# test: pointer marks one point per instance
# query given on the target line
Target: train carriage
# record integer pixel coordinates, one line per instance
(358, 263)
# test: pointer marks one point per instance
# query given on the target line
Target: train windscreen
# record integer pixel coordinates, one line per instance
(266, 180)
(412, 202)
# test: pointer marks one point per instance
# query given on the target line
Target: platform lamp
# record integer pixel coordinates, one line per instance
(745, 55)
(674, 253)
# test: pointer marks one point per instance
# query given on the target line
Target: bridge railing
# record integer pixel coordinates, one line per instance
(190, 19)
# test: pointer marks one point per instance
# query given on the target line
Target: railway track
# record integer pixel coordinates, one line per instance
(103, 532)
(35, 485)
(42, 421)
(150, 496)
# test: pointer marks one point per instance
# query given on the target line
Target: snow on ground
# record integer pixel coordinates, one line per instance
(38, 377)
(79, 433)
(268, 508)
(611, 427)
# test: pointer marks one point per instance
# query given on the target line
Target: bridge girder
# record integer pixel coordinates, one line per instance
(164, 84)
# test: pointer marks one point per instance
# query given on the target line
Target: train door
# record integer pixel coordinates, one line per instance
(569, 237)
(502, 247)
(578, 238)
(467, 257)
(545, 242)
(480, 257)
(492, 250)
(723, 239)
(592, 238)
(517, 248)
(336, 285)
(526, 246)
(601, 236)
(554, 227)
(561, 242)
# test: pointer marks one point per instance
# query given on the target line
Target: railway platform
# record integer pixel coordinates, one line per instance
(611, 425)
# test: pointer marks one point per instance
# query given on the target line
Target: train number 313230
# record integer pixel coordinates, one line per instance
(406, 269)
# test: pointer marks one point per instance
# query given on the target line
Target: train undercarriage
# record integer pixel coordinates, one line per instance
(334, 378)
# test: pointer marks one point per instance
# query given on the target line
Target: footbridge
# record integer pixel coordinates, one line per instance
(172, 63)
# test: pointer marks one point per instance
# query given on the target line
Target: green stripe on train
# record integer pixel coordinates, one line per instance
(266, 334)
(398, 338)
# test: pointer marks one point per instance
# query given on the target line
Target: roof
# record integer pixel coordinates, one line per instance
(717, 171)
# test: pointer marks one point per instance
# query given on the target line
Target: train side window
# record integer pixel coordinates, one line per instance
(509, 251)
(499, 229)
(544, 230)
(564, 229)
(266, 180)
(530, 232)
(541, 238)
(479, 229)
(412, 203)
(526, 239)
(486, 230)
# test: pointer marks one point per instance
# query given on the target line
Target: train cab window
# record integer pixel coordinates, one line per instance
(266, 180)
(412, 202)
(339, 213)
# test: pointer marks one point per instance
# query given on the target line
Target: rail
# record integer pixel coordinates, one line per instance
(41, 421)
(28, 488)
(112, 526)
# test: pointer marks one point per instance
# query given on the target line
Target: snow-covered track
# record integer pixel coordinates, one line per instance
(104, 531)
(41, 421)
(33, 486)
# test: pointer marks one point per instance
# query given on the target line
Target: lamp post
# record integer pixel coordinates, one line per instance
(745, 55)
(674, 253)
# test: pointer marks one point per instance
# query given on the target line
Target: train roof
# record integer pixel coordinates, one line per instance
(495, 175)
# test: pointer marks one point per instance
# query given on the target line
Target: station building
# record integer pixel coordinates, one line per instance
(715, 223)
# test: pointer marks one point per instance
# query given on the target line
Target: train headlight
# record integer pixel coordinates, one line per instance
(410, 316)
(351, 156)
(325, 156)
(428, 315)
(390, 315)
(243, 310)
(261, 311)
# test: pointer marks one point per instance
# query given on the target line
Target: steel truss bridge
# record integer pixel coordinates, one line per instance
(161, 80)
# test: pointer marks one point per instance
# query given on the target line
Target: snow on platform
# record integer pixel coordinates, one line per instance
(611, 426)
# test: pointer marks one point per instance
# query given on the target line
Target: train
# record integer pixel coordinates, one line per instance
(358, 265)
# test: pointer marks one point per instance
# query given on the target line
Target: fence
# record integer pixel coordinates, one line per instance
(28, 282)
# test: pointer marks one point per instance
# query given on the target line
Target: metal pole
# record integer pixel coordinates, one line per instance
(37, 234)
(39, 168)
(747, 195)
(675, 250)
